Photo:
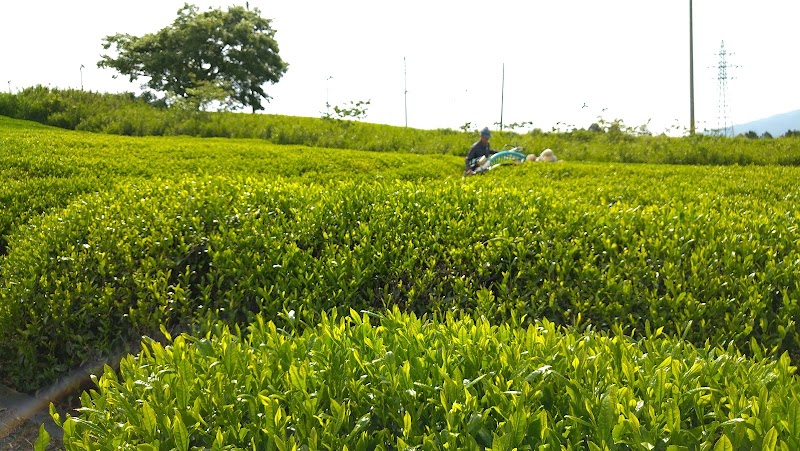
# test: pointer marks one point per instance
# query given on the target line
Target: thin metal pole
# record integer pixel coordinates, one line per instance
(328, 95)
(405, 89)
(502, 95)
(691, 71)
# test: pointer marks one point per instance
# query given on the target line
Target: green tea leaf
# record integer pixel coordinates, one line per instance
(606, 417)
(770, 440)
(42, 440)
(723, 444)
(672, 416)
(180, 433)
(149, 420)
(793, 418)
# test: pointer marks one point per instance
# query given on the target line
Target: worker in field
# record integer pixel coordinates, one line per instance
(479, 152)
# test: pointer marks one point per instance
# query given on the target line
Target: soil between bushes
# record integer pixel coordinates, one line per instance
(20, 418)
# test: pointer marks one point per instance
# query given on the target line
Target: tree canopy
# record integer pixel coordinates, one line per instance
(228, 55)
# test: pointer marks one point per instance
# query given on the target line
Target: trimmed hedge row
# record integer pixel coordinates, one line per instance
(557, 242)
(393, 381)
(44, 168)
(126, 114)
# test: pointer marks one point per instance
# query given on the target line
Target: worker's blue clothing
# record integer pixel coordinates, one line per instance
(479, 149)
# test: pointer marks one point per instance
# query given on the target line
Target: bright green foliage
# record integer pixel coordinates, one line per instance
(234, 51)
(112, 238)
(35, 177)
(393, 381)
(43, 439)
(43, 168)
(108, 113)
(76, 109)
(710, 257)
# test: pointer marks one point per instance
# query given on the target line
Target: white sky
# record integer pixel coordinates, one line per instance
(623, 59)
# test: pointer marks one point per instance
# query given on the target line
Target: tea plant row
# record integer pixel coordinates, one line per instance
(44, 168)
(125, 114)
(395, 381)
(708, 254)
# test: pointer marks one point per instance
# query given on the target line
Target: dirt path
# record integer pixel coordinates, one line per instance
(20, 418)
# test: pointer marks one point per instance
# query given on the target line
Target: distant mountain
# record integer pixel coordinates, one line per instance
(776, 125)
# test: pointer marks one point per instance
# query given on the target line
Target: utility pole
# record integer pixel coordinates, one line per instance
(405, 89)
(82, 66)
(502, 93)
(328, 96)
(691, 72)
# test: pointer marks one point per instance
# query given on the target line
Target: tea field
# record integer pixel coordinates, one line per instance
(296, 297)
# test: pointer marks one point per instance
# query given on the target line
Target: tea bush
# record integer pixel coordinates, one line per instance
(709, 257)
(109, 238)
(127, 114)
(43, 168)
(394, 381)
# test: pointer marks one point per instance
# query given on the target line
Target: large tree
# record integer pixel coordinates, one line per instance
(232, 53)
